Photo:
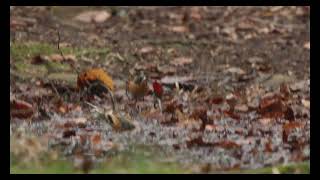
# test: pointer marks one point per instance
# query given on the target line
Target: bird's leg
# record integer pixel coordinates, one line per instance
(159, 102)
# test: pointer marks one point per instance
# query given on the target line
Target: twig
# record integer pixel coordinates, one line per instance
(55, 89)
(64, 59)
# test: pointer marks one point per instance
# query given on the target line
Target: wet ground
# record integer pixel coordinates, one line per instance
(243, 75)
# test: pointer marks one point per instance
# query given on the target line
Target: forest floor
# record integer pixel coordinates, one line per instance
(236, 80)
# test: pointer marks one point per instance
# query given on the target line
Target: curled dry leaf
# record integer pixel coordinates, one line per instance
(226, 144)
(68, 133)
(21, 109)
(236, 70)
(166, 69)
(265, 121)
(241, 108)
(146, 50)
(172, 106)
(231, 114)
(216, 100)
(271, 106)
(174, 79)
(288, 127)
(40, 59)
(306, 103)
(195, 13)
(306, 45)
(93, 16)
(96, 139)
(181, 61)
(178, 29)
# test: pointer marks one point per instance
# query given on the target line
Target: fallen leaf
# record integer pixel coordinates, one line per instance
(195, 13)
(181, 61)
(271, 106)
(307, 45)
(166, 69)
(306, 103)
(236, 70)
(178, 29)
(231, 114)
(93, 16)
(265, 121)
(21, 109)
(96, 139)
(241, 108)
(146, 50)
(216, 100)
(298, 86)
(227, 144)
(174, 79)
(288, 127)
(289, 114)
(68, 133)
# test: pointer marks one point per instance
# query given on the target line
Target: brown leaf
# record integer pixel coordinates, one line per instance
(198, 141)
(216, 100)
(227, 144)
(265, 121)
(289, 114)
(174, 79)
(68, 133)
(271, 107)
(231, 114)
(236, 70)
(178, 29)
(146, 50)
(166, 70)
(181, 61)
(172, 106)
(93, 16)
(307, 45)
(306, 103)
(288, 127)
(268, 147)
(96, 139)
(195, 13)
(241, 108)
(21, 109)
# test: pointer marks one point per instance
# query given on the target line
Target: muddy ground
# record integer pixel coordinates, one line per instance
(243, 74)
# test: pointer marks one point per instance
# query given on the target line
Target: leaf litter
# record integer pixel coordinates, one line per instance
(248, 114)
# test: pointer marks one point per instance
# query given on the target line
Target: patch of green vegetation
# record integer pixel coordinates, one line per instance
(297, 168)
(26, 51)
(25, 70)
(136, 160)
(22, 54)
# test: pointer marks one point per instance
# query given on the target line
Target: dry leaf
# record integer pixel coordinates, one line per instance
(307, 45)
(21, 109)
(181, 61)
(236, 70)
(178, 29)
(146, 50)
(241, 107)
(93, 16)
(306, 103)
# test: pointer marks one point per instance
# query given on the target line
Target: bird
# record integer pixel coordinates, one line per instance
(157, 92)
(138, 87)
(120, 122)
(96, 81)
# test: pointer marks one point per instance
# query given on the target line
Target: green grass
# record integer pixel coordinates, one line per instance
(23, 53)
(297, 168)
